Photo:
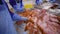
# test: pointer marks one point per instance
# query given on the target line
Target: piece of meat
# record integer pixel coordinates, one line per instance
(41, 22)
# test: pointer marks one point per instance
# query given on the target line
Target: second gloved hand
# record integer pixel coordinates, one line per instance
(52, 1)
(18, 8)
(16, 17)
(39, 2)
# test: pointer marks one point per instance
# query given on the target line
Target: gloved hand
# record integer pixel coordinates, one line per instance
(53, 1)
(39, 2)
(12, 2)
(18, 8)
(16, 17)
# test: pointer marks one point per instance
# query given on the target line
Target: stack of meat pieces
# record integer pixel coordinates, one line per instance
(41, 22)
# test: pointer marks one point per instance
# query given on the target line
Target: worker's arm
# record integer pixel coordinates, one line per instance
(18, 7)
(15, 16)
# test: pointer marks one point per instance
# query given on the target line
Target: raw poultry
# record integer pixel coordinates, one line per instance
(41, 22)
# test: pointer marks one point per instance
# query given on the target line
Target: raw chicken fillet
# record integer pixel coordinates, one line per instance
(41, 22)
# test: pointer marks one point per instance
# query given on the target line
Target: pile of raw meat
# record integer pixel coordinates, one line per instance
(41, 22)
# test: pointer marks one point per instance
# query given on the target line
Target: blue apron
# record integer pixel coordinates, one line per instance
(6, 23)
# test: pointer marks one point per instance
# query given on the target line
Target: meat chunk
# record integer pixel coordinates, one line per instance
(43, 22)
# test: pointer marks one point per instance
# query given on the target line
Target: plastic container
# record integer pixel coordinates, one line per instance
(28, 4)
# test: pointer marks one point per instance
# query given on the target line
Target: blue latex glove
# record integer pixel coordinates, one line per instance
(53, 1)
(16, 17)
(18, 8)
(12, 2)
(39, 2)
